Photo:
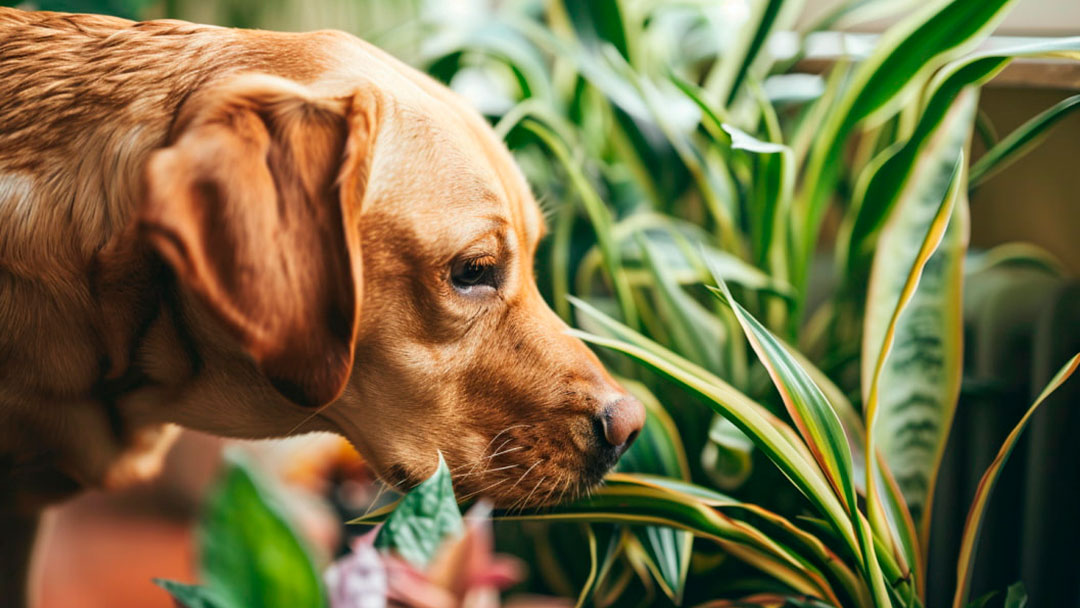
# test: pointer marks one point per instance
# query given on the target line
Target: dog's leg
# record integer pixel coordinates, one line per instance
(17, 533)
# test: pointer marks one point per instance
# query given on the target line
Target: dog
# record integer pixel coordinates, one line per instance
(259, 234)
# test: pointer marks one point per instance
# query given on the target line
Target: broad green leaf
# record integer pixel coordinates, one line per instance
(424, 518)
(973, 526)
(817, 423)
(920, 382)
(249, 555)
(902, 62)
(921, 229)
(192, 596)
(1020, 141)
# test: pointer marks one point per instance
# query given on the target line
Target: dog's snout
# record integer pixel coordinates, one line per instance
(622, 422)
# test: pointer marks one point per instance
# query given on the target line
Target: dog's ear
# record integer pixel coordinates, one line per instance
(254, 205)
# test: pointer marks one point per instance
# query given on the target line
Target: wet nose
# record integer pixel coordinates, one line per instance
(622, 422)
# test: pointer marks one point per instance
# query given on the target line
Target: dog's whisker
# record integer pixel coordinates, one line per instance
(509, 466)
(527, 471)
(492, 442)
(525, 503)
(566, 486)
(471, 494)
(551, 491)
(507, 451)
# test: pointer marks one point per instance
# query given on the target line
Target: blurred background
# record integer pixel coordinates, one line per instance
(101, 550)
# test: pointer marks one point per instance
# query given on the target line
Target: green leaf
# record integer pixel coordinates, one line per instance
(678, 310)
(1020, 142)
(424, 518)
(250, 556)
(659, 451)
(597, 211)
(1016, 596)
(818, 425)
(920, 382)
(192, 596)
(876, 192)
(659, 448)
(599, 569)
(728, 456)
(901, 63)
(771, 435)
(626, 500)
(973, 526)
(736, 64)
(920, 230)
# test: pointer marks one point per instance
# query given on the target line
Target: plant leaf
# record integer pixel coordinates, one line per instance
(250, 556)
(919, 384)
(424, 518)
(1020, 141)
(928, 221)
(1016, 596)
(192, 596)
(902, 62)
(770, 434)
(659, 451)
(973, 526)
(817, 423)
(876, 192)
(624, 500)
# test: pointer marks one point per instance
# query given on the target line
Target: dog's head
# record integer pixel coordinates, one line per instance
(373, 254)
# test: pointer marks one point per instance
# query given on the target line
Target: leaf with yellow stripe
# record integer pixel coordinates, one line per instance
(973, 525)
(817, 422)
(930, 222)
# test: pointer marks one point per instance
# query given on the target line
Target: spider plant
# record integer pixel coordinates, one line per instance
(697, 190)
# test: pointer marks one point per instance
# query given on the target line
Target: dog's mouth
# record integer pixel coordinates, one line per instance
(517, 471)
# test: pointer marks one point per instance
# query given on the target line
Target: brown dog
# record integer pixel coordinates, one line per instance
(258, 234)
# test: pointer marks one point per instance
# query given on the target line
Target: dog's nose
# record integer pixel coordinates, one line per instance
(622, 422)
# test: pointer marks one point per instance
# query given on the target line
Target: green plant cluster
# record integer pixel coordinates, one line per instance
(772, 261)
(775, 264)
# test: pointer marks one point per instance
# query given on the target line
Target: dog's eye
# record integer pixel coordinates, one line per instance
(471, 273)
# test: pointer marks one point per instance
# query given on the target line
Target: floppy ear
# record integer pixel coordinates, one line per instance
(254, 206)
